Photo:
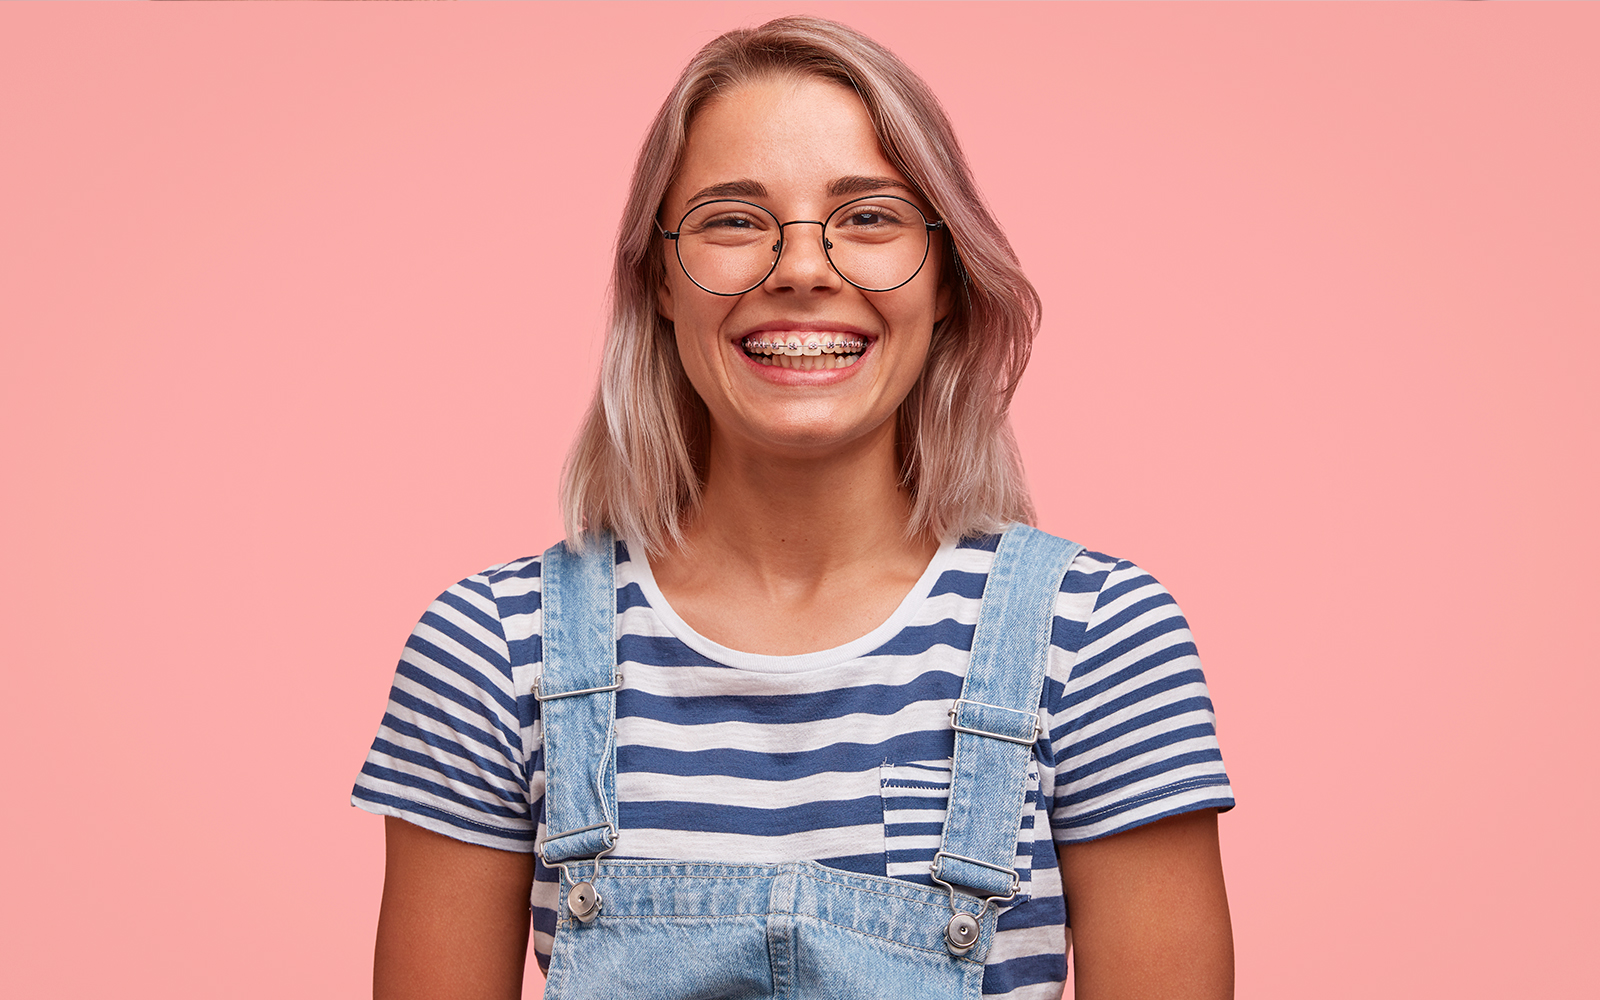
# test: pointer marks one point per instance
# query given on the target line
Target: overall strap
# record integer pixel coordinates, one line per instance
(576, 689)
(997, 716)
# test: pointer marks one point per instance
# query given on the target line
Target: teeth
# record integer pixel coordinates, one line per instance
(809, 345)
(806, 362)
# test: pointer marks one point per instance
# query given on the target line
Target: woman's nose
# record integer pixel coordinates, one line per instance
(803, 262)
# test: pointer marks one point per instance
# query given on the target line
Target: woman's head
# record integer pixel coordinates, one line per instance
(792, 227)
(639, 463)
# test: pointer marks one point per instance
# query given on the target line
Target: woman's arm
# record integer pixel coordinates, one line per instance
(454, 920)
(1150, 913)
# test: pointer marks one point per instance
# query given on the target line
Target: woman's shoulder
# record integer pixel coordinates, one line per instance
(520, 575)
(1093, 579)
(498, 590)
(481, 625)
(1106, 608)
(1106, 601)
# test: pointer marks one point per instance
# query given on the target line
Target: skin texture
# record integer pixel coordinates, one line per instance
(454, 919)
(800, 545)
(1150, 913)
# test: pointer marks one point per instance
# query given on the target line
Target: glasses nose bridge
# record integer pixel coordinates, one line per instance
(783, 239)
(782, 236)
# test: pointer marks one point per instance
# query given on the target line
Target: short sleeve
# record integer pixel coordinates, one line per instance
(451, 754)
(1132, 729)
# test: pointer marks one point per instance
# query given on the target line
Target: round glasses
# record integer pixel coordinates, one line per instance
(729, 247)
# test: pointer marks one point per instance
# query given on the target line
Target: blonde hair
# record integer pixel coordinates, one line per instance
(637, 466)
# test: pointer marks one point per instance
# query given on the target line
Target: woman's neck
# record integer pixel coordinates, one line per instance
(795, 553)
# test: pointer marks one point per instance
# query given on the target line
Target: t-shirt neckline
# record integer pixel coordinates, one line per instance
(637, 570)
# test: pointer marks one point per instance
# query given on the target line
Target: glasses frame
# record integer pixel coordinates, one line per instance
(777, 249)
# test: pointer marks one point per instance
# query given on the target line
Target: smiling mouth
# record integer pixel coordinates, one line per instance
(805, 352)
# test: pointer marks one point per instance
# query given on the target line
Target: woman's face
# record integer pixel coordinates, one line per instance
(800, 149)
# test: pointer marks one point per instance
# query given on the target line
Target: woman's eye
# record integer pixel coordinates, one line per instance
(871, 217)
(729, 222)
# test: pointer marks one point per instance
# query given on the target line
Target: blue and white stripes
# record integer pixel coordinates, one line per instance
(840, 756)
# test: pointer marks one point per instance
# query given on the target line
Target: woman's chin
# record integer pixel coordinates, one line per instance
(808, 436)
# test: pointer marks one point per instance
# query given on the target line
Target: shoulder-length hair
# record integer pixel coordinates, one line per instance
(637, 467)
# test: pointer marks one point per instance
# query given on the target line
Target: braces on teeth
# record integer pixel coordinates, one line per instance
(797, 346)
(809, 353)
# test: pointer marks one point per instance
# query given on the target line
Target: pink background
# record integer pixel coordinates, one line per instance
(300, 305)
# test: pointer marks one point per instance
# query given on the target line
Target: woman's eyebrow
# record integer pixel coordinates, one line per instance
(861, 185)
(742, 188)
(840, 186)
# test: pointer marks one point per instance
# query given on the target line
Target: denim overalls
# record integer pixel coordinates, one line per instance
(672, 930)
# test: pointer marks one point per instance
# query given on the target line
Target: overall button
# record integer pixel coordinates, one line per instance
(584, 902)
(961, 933)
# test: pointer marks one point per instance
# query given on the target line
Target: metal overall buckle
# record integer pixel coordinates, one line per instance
(1029, 740)
(583, 899)
(961, 933)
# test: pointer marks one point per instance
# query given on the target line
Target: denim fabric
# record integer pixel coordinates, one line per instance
(679, 931)
(700, 929)
(997, 716)
(579, 653)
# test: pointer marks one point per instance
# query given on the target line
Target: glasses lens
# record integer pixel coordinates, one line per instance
(877, 243)
(728, 247)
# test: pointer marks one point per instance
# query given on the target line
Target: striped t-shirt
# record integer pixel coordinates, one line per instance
(840, 756)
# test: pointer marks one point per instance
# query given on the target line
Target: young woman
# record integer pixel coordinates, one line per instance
(800, 708)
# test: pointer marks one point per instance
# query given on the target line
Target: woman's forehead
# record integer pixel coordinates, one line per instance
(779, 138)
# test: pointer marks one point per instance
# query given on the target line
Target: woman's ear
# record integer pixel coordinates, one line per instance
(664, 299)
(951, 275)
